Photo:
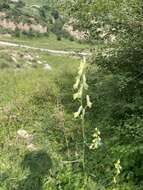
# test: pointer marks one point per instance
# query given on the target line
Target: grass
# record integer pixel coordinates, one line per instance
(33, 2)
(50, 42)
(41, 102)
(31, 99)
(15, 80)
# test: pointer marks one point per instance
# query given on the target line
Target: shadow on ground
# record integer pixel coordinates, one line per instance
(39, 163)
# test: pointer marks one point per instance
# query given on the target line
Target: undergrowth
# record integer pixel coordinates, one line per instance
(41, 102)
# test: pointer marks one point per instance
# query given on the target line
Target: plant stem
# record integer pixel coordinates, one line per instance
(83, 136)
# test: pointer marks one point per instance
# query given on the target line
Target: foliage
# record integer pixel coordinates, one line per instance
(41, 102)
(101, 19)
(115, 78)
(36, 109)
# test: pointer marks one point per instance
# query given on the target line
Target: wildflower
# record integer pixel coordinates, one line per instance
(77, 114)
(89, 103)
(85, 85)
(78, 95)
(96, 142)
(75, 86)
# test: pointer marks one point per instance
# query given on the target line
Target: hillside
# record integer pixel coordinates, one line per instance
(22, 18)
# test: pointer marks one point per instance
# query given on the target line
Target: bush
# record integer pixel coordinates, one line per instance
(59, 38)
(17, 32)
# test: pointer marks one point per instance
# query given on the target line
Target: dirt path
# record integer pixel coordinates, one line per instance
(54, 52)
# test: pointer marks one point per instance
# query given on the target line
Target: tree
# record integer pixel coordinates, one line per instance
(100, 17)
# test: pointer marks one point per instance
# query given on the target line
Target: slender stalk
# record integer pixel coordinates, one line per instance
(81, 86)
(83, 136)
(83, 132)
(67, 145)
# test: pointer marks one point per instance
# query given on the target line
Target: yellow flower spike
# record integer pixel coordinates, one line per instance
(118, 169)
(85, 85)
(75, 96)
(96, 142)
(89, 103)
(78, 95)
(77, 114)
(75, 86)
